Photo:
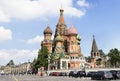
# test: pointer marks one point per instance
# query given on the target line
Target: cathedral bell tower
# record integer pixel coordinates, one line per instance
(47, 39)
(94, 51)
(95, 55)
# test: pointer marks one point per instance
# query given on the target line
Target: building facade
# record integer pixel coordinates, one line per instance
(65, 46)
(17, 69)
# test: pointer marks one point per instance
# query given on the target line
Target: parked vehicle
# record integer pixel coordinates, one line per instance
(94, 75)
(51, 74)
(116, 74)
(89, 74)
(63, 74)
(102, 75)
(81, 74)
(54, 74)
(73, 74)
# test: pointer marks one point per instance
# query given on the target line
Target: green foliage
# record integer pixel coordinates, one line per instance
(103, 58)
(42, 60)
(52, 59)
(62, 55)
(114, 55)
(88, 59)
(102, 54)
(98, 62)
(78, 38)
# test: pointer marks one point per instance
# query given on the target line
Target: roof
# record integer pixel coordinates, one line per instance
(58, 38)
(48, 30)
(94, 46)
(72, 30)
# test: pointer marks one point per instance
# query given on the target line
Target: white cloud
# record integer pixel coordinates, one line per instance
(27, 9)
(83, 3)
(4, 17)
(18, 56)
(5, 34)
(36, 39)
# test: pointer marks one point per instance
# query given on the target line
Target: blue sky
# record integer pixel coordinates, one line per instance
(22, 24)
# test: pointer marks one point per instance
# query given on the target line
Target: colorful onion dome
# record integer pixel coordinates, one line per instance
(48, 30)
(72, 30)
(58, 38)
(79, 37)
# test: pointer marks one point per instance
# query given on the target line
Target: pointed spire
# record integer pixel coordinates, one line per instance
(61, 10)
(94, 46)
(61, 19)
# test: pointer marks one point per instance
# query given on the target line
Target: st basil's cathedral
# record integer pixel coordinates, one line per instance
(65, 46)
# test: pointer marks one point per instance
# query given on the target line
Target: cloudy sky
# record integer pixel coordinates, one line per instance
(22, 23)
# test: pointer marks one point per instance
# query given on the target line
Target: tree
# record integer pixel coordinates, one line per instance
(103, 59)
(42, 60)
(10, 63)
(102, 54)
(114, 55)
(52, 59)
(34, 69)
(88, 59)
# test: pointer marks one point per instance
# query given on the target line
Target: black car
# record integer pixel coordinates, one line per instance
(89, 74)
(73, 74)
(115, 73)
(94, 75)
(81, 74)
(118, 74)
(102, 75)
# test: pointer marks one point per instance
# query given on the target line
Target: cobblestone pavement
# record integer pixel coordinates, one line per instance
(6, 78)
(44, 78)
